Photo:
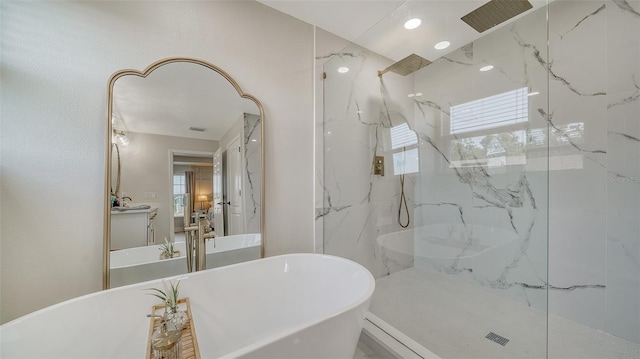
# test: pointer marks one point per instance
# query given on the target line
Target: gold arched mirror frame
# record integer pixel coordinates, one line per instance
(109, 152)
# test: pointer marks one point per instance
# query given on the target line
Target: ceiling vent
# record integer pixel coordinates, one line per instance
(495, 12)
(197, 129)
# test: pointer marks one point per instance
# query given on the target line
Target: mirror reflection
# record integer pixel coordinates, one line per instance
(185, 176)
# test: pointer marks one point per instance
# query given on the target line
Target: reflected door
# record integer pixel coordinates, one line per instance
(234, 181)
(218, 205)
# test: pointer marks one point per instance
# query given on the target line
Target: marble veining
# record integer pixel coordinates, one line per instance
(601, 8)
(549, 118)
(252, 162)
(337, 54)
(632, 98)
(548, 67)
(456, 61)
(624, 5)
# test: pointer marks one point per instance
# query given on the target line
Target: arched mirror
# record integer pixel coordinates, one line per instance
(184, 172)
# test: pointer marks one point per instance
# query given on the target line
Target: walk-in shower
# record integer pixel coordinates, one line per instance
(523, 191)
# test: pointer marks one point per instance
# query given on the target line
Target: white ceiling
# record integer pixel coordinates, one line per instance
(177, 96)
(181, 95)
(378, 25)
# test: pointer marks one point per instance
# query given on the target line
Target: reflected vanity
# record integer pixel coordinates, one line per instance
(184, 157)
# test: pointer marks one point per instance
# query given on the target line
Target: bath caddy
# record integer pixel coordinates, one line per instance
(189, 343)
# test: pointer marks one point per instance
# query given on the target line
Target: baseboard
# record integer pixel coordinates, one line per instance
(389, 342)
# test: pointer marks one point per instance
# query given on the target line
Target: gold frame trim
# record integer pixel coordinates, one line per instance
(108, 157)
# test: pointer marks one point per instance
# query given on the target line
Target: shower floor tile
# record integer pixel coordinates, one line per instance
(452, 319)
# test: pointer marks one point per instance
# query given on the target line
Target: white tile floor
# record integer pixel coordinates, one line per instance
(452, 319)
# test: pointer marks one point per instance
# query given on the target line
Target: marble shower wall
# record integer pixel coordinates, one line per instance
(585, 141)
(610, 33)
(358, 206)
(594, 208)
(622, 26)
(493, 175)
(252, 135)
(566, 181)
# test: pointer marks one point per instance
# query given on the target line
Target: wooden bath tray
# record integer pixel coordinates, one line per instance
(189, 343)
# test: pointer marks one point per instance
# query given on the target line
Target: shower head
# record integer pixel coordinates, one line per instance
(494, 13)
(406, 66)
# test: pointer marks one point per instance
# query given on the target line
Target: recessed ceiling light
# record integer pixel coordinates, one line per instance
(343, 69)
(533, 93)
(418, 94)
(486, 68)
(412, 24)
(411, 95)
(442, 45)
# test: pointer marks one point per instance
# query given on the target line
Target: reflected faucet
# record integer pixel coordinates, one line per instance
(196, 237)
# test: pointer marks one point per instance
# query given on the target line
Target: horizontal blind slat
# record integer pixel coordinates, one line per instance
(490, 112)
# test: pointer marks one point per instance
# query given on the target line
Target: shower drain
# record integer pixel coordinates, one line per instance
(497, 338)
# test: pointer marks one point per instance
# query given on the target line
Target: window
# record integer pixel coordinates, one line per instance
(178, 195)
(489, 132)
(470, 121)
(507, 108)
(407, 160)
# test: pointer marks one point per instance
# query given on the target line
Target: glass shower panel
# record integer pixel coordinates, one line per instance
(437, 181)
(594, 257)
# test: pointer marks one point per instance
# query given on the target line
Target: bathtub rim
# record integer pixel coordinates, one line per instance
(183, 256)
(253, 346)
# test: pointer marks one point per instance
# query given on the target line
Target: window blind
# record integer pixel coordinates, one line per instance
(402, 136)
(499, 110)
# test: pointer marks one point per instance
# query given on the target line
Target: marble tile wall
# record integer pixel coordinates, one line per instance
(622, 118)
(358, 206)
(594, 211)
(469, 188)
(252, 161)
(568, 189)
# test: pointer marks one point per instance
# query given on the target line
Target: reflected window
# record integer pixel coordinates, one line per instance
(562, 140)
(178, 194)
(407, 160)
(493, 150)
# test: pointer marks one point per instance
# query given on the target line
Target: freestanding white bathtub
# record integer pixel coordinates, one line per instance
(139, 264)
(290, 306)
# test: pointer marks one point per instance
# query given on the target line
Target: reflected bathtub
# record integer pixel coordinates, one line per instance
(135, 265)
(289, 306)
(450, 247)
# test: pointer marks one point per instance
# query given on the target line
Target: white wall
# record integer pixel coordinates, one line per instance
(56, 60)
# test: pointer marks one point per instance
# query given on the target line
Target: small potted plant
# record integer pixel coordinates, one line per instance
(169, 296)
(167, 251)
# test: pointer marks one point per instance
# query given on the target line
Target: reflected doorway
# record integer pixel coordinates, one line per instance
(198, 166)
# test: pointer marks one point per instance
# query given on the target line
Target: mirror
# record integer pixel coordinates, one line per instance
(185, 147)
